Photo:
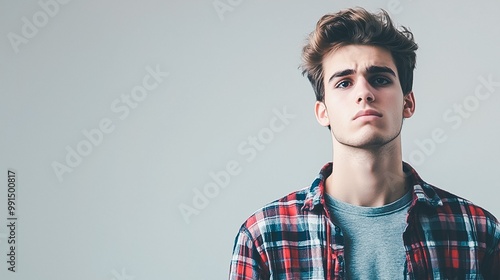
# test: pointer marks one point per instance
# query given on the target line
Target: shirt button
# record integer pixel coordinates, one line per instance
(341, 263)
(341, 259)
(337, 229)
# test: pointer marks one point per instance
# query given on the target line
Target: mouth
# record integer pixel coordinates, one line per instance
(367, 113)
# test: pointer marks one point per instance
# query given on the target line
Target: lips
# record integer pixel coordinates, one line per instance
(368, 112)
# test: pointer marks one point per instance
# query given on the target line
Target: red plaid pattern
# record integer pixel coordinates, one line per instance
(447, 237)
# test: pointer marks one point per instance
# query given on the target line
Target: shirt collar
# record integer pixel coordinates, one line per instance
(423, 193)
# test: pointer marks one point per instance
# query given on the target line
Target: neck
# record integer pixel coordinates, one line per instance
(367, 177)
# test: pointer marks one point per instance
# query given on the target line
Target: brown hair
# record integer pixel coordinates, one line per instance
(358, 26)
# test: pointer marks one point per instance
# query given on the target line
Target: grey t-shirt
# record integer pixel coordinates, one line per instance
(373, 237)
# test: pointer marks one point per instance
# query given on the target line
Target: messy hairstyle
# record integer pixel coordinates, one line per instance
(357, 26)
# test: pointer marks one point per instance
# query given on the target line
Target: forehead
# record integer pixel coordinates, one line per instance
(357, 58)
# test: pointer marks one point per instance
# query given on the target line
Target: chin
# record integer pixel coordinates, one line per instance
(368, 141)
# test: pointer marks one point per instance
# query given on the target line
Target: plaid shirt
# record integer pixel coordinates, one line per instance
(447, 237)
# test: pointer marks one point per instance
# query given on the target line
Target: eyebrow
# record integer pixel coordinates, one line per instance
(380, 69)
(342, 73)
(370, 70)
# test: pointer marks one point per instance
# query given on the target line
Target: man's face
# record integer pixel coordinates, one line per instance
(364, 102)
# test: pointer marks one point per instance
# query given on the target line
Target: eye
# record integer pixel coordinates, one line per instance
(343, 84)
(381, 81)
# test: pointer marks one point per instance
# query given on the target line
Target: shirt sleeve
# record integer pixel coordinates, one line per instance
(492, 259)
(247, 262)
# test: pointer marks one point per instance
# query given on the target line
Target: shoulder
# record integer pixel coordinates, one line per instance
(287, 206)
(457, 205)
(277, 215)
(458, 214)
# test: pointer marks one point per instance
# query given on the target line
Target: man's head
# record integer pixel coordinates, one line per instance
(358, 27)
(361, 68)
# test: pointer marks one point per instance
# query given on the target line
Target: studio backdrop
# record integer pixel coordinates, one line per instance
(137, 136)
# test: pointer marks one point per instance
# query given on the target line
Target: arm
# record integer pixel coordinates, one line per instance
(247, 262)
(492, 258)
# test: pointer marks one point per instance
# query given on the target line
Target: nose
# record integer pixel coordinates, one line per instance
(364, 92)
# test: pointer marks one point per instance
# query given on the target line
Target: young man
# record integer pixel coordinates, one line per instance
(368, 215)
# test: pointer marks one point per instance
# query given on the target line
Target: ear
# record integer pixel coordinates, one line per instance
(321, 113)
(409, 105)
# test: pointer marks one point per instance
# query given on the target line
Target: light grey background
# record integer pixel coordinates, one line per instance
(116, 215)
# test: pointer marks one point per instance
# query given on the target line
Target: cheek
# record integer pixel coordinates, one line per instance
(395, 104)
